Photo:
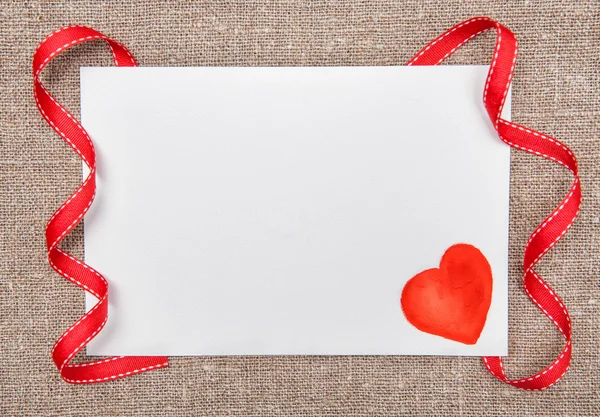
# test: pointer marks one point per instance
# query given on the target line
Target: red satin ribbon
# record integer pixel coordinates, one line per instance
(72, 211)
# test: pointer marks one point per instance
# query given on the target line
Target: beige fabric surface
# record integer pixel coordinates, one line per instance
(556, 90)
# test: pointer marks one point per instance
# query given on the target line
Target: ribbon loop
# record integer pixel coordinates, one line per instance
(70, 213)
(562, 217)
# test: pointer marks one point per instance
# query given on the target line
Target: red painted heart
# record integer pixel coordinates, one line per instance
(451, 301)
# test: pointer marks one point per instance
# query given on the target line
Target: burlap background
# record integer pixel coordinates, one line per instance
(556, 90)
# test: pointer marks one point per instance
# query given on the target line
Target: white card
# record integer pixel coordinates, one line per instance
(276, 211)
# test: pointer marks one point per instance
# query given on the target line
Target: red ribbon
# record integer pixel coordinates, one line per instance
(70, 214)
(72, 211)
(547, 234)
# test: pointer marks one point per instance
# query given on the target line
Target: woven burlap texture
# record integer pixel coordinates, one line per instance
(556, 90)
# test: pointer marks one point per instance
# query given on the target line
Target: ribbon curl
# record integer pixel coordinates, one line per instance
(554, 227)
(72, 211)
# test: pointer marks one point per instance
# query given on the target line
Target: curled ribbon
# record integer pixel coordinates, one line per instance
(70, 213)
(545, 236)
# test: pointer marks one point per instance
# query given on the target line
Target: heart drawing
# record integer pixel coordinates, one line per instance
(451, 301)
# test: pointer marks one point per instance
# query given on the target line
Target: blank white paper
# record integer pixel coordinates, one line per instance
(280, 211)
